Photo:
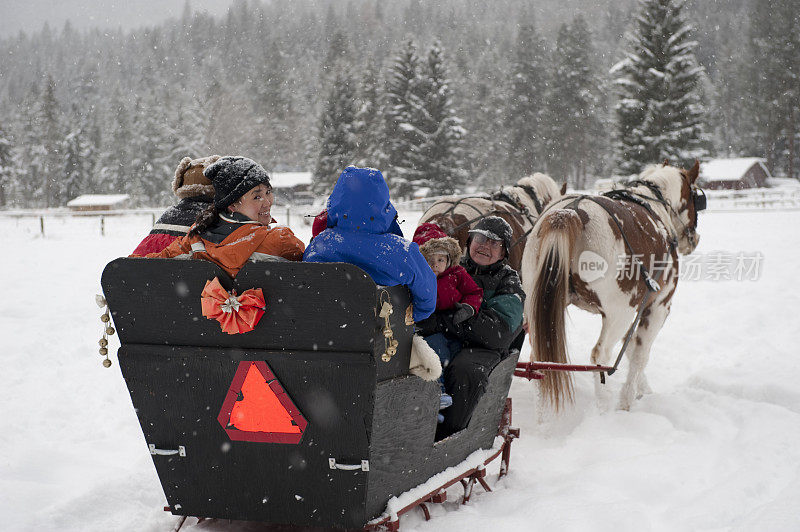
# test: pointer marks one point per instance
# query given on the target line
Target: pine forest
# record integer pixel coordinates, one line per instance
(438, 95)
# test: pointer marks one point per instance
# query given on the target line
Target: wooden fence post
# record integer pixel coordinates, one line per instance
(41, 223)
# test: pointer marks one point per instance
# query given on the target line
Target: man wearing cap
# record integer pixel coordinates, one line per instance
(488, 335)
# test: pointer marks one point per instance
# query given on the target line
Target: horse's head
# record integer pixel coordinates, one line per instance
(683, 199)
(543, 185)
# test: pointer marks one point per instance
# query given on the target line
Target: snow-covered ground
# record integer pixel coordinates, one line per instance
(716, 446)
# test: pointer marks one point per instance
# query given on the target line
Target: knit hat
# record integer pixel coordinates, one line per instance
(232, 177)
(189, 180)
(432, 240)
(427, 231)
(495, 228)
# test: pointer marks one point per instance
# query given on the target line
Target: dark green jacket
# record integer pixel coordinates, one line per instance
(499, 320)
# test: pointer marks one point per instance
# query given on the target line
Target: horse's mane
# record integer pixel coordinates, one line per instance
(663, 177)
(545, 187)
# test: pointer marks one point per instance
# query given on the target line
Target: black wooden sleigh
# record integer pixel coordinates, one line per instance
(352, 427)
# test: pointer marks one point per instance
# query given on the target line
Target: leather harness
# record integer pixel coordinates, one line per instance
(504, 197)
(625, 194)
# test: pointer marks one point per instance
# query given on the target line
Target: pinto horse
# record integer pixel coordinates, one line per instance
(520, 205)
(572, 255)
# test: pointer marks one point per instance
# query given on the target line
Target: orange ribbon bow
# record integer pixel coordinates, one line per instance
(235, 314)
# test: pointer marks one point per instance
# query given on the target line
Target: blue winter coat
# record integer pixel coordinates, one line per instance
(360, 223)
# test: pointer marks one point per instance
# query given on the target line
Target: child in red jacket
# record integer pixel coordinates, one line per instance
(455, 290)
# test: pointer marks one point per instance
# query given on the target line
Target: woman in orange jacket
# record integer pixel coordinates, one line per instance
(235, 228)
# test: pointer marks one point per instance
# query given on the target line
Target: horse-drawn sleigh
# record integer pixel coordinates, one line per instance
(312, 418)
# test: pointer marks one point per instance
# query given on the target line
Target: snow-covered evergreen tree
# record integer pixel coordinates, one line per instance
(402, 111)
(438, 157)
(336, 132)
(115, 171)
(660, 109)
(29, 155)
(150, 149)
(7, 168)
(484, 98)
(527, 104)
(368, 126)
(772, 72)
(78, 158)
(51, 136)
(573, 124)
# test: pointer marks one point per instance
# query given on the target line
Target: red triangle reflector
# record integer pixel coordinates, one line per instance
(258, 409)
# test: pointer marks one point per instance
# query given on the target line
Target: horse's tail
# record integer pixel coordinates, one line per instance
(557, 233)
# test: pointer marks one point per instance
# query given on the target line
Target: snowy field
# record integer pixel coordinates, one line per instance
(715, 447)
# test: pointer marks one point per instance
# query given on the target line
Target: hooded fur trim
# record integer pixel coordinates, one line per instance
(447, 244)
(424, 362)
(195, 189)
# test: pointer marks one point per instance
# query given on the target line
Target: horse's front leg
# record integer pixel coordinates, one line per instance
(636, 383)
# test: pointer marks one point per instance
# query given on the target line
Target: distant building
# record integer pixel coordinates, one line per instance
(292, 187)
(98, 202)
(744, 172)
(421, 193)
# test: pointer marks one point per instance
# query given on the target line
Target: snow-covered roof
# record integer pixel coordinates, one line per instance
(95, 200)
(729, 169)
(783, 182)
(289, 179)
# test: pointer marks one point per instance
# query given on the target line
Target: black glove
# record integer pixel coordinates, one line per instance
(428, 326)
(463, 313)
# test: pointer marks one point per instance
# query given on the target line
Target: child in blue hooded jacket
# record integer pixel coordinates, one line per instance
(362, 231)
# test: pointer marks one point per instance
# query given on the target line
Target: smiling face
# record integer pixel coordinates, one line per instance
(256, 204)
(485, 251)
(439, 263)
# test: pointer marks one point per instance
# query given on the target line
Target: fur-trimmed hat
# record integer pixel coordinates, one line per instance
(432, 240)
(232, 177)
(189, 180)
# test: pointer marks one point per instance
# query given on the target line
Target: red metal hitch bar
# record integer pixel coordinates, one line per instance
(533, 370)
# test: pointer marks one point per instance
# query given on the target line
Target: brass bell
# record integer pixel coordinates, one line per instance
(409, 317)
(385, 357)
(394, 343)
(110, 330)
(387, 332)
(103, 342)
(106, 363)
(391, 351)
(105, 317)
(103, 351)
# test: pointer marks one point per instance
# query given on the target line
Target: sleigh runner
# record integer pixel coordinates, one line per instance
(311, 418)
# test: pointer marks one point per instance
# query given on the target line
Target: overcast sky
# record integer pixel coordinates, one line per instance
(30, 15)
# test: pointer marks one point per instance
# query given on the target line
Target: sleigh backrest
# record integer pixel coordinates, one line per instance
(309, 307)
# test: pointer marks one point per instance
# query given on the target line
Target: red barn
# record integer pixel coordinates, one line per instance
(734, 174)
